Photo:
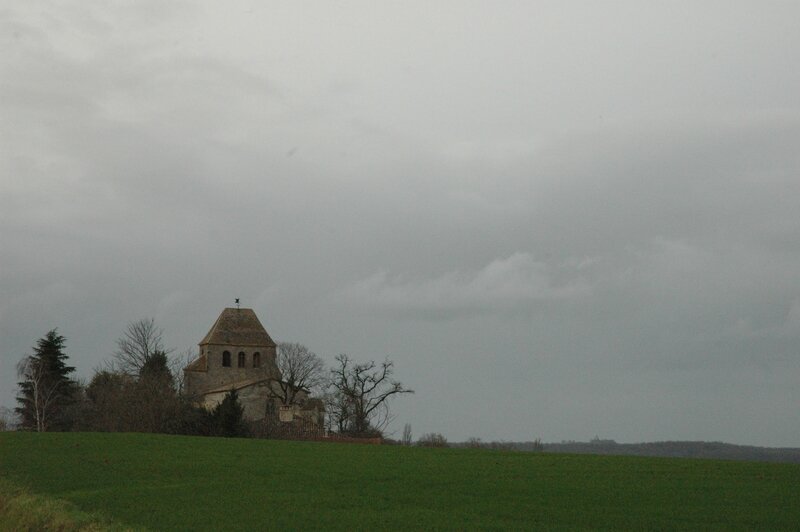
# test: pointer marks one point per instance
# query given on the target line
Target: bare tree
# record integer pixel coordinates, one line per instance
(177, 365)
(44, 393)
(141, 340)
(301, 369)
(361, 392)
(8, 419)
(337, 412)
(432, 439)
(474, 443)
(407, 440)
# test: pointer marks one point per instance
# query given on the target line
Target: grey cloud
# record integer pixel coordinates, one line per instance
(593, 210)
(505, 283)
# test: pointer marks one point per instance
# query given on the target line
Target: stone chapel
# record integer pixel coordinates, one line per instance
(238, 354)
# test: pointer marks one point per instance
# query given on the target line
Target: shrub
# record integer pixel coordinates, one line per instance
(474, 443)
(432, 439)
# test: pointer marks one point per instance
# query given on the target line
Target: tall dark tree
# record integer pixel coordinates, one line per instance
(156, 368)
(111, 397)
(228, 417)
(119, 402)
(46, 390)
(155, 400)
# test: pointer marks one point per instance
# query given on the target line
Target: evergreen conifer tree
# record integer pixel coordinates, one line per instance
(46, 390)
(156, 368)
(229, 417)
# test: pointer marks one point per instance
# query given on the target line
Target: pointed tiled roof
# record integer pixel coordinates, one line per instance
(238, 326)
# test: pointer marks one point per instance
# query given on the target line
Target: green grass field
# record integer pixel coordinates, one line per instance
(173, 482)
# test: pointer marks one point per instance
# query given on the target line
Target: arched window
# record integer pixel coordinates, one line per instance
(226, 359)
(256, 360)
(242, 356)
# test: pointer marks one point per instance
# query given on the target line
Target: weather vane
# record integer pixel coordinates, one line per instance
(237, 302)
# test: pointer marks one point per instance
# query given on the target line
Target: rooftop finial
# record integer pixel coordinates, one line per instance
(237, 302)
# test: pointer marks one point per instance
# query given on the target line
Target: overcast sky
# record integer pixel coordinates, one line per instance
(559, 219)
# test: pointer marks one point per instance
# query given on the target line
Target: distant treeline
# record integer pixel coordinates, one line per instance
(675, 449)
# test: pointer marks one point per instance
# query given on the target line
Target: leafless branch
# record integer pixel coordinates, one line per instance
(300, 369)
(44, 391)
(140, 341)
(362, 392)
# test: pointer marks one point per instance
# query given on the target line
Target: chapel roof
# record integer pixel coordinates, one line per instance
(199, 364)
(239, 327)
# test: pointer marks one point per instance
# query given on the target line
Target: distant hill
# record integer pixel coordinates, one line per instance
(675, 449)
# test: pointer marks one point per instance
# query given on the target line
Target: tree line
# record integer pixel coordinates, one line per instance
(139, 389)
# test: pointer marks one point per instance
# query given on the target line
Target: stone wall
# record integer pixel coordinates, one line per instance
(216, 375)
(252, 398)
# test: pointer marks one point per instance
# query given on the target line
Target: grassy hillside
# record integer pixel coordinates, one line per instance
(173, 482)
